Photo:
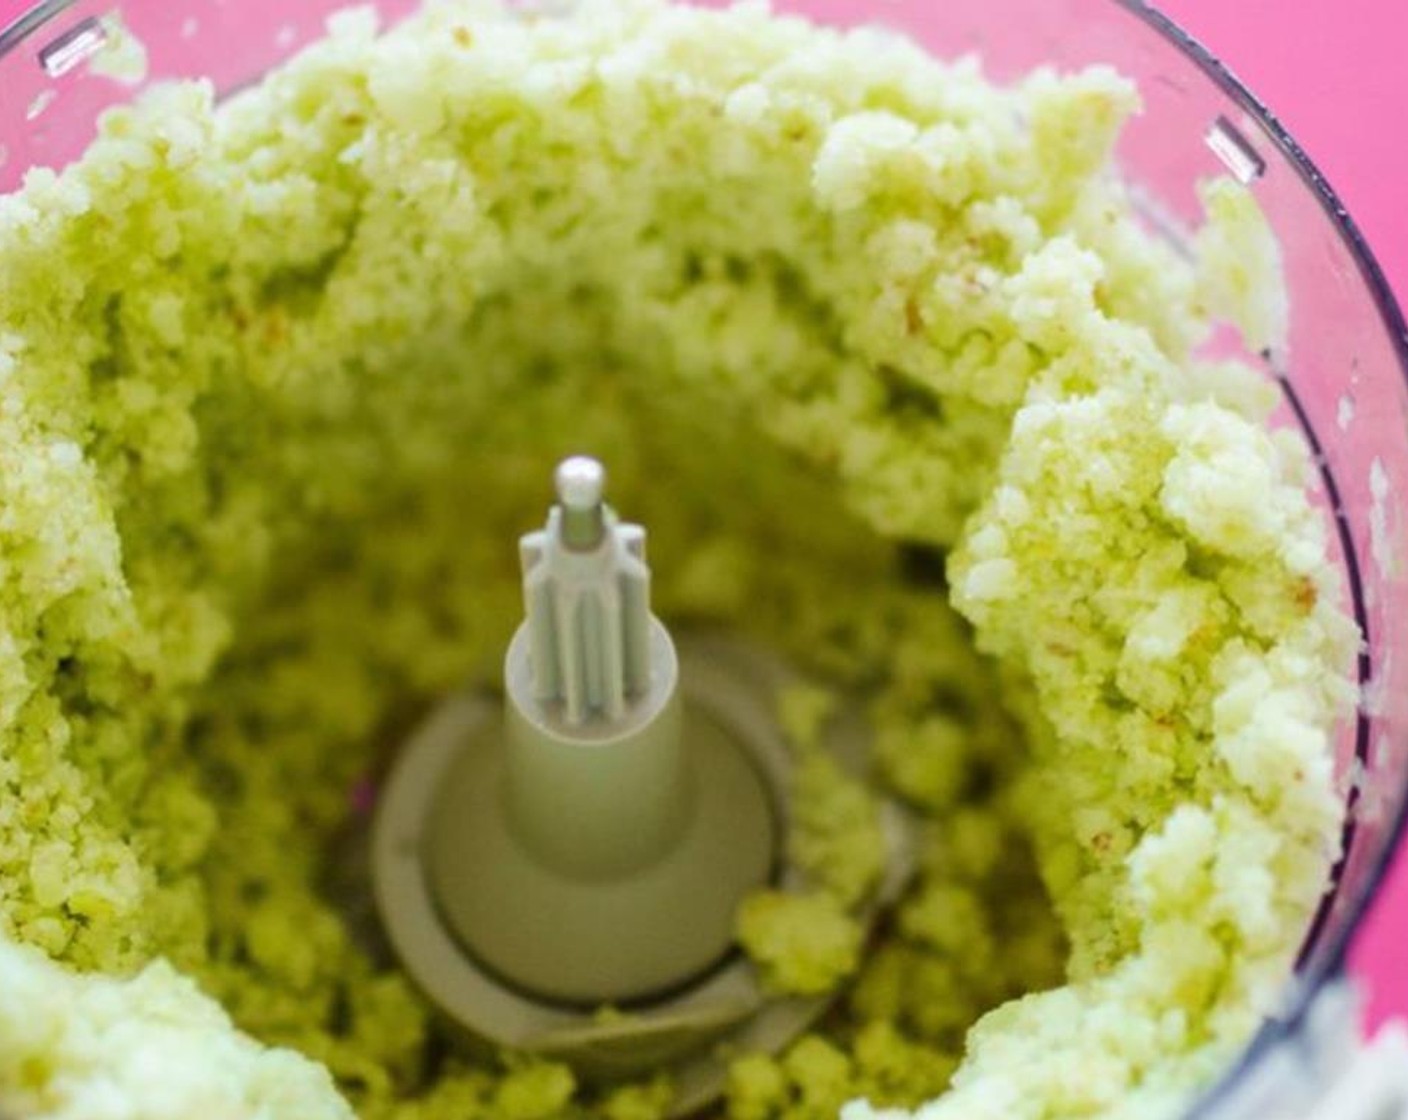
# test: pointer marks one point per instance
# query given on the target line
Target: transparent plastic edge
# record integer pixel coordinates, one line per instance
(1303, 996)
(29, 21)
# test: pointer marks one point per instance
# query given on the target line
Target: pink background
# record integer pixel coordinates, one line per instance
(1333, 72)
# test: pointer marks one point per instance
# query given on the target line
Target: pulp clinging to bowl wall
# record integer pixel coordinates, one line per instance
(825, 304)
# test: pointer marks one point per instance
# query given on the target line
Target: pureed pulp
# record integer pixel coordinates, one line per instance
(884, 358)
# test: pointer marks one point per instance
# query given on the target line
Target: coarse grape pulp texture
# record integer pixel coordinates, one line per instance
(884, 359)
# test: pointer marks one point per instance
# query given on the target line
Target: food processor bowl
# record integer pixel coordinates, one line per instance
(1344, 370)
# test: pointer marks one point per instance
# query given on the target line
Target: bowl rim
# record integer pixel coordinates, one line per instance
(1296, 1016)
(14, 32)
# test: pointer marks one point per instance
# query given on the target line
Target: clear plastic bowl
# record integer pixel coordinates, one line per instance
(1345, 373)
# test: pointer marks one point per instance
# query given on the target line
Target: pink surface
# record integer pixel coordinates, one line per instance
(1333, 73)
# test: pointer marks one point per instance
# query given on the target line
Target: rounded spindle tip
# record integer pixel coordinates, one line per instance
(581, 481)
